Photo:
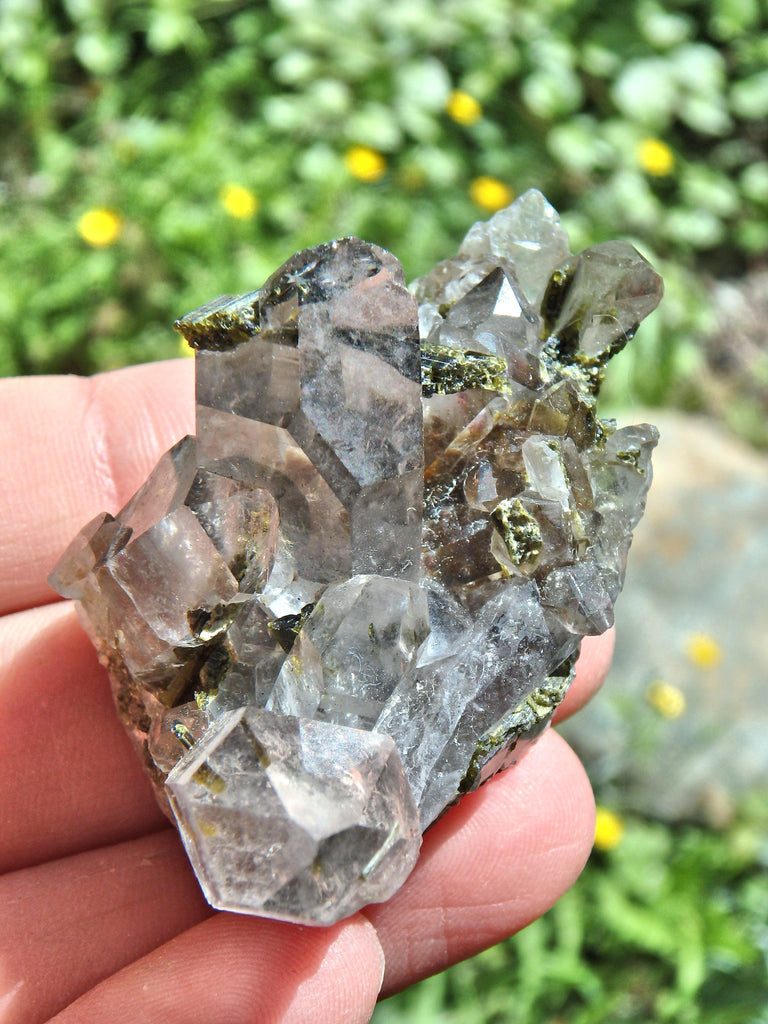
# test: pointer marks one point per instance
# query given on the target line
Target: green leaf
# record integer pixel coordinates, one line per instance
(699, 68)
(423, 83)
(440, 167)
(754, 182)
(100, 53)
(749, 97)
(330, 97)
(704, 114)
(629, 193)
(729, 18)
(578, 145)
(699, 229)
(710, 190)
(319, 163)
(295, 67)
(633, 924)
(552, 93)
(374, 125)
(661, 27)
(171, 29)
(641, 79)
(752, 236)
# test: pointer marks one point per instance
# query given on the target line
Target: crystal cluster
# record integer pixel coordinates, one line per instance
(360, 590)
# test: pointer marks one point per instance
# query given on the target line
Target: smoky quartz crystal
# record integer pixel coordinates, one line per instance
(360, 590)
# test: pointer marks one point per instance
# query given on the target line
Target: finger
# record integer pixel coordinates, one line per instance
(591, 670)
(94, 442)
(540, 801)
(240, 970)
(70, 780)
(66, 925)
(490, 866)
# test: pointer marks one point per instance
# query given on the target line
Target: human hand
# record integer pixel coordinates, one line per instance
(101, 917)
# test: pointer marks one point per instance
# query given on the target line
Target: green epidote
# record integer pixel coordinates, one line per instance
(600, 295)
(526, 720)
(208, 623)
(519, 530)
(258, 748)
(205, 775)
(441, 558)
(286, 629)
(183, 735)
(631, 458)
(565, 342)
(222, 323)
(446, 371)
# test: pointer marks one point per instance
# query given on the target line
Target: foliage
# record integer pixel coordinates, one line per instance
(159, 152)
(669, 925)
(401, 122)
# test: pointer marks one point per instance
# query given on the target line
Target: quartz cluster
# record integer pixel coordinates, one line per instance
(360, 590)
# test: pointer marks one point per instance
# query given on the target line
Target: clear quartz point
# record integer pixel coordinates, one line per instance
(280, 814)
(360, 590)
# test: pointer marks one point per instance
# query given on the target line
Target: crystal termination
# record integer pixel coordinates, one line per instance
(360, 590)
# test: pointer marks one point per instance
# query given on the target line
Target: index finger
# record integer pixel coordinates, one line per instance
(73, 447)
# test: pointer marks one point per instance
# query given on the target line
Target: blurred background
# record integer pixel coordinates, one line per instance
(156, 153)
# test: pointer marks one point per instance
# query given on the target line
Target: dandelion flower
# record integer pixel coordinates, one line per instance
(703, 650)
(490, 193)
(665, 698)
(463, 108)
(609, 829)
(185, 349)
(655, 157)
(99, 227)
(364, 163)
(238, 201)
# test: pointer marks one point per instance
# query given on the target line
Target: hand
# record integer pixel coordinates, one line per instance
(101, 918)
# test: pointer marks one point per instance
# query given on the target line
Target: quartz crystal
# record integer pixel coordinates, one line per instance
(360, 590)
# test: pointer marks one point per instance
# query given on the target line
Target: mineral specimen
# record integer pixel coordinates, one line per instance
(360, 590)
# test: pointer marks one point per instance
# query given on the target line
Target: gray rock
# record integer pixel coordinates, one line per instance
(680, 729)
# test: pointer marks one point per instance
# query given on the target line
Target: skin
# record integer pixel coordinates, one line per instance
(101, 918)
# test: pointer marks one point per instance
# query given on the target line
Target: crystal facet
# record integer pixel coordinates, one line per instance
(281, 813)
(360, 590)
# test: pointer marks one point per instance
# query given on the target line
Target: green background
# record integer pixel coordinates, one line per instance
(150, 108)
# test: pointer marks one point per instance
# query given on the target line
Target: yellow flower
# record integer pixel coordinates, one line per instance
(609, 829)
(703, 650)
(364, 163)
(185, 349)
(490, 193)
(665, 698)
(238, 201)
(463, 108)
(100, 227)
(655, 157)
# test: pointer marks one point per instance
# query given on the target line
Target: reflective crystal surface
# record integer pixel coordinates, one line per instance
(360, 590)
(284, 813)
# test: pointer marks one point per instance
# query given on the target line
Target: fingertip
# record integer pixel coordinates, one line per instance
(545, 807)
(242, 969)
(348, 981)
(491, 865)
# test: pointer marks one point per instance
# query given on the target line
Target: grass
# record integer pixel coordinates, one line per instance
(671, 925)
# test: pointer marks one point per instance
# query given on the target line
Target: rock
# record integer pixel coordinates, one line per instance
(680, 729)
(360, 590)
